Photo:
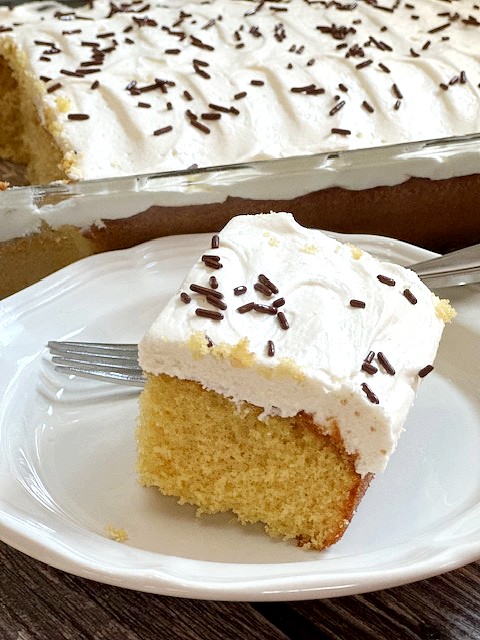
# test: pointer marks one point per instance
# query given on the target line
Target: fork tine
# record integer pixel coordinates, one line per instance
(105, 361)
(93, 359)
(117, 349)
(90, 352)
(134, 378)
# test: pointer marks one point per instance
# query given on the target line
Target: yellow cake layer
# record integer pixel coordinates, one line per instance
(26, 260)
(198, 446)
(22, 138)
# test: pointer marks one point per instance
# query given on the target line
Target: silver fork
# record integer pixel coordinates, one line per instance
(119, 362)
(98, 360)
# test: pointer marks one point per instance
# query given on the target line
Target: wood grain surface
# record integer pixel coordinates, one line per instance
(38, 602)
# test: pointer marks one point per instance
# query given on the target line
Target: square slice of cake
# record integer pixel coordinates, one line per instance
(280, 376)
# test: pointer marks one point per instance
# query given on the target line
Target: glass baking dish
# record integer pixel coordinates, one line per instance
(425, 193)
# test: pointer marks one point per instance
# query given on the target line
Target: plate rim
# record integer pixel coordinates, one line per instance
(158, 579)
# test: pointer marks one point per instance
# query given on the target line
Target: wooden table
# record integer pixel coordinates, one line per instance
(41, 603)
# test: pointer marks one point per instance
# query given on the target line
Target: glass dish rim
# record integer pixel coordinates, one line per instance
(328, 161)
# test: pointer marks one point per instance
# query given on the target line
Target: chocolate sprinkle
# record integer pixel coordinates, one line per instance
(203, 128)
(283, 320)
(279, 302)
(425, 371)
(74, 74)
(185, 297)
(367, 106)
(385, 363)
(363, 64)
(205, 290)
(337, 108)
(213, 264)
(258, 286)
(397, 92)
(359, 304)
(207, 256)
(219, 107)
(265, 308)
(213, 282)
(268, 283)
(369, 368)
(78, 116)
(215, 242)
(207, 313)
(270, 348)
(163, 130)
(369, 393)
(440, 28)
(216, 302)
(386, 280)
(341, 132)
(409, 296)
(238, 291)
(246, 307)
(54, 87)
(209, 341)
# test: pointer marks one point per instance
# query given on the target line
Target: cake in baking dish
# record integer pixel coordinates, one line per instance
(121, 88)
(280, 376)
(106, 89)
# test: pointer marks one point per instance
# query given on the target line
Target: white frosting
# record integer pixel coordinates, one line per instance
(301, 124)
(248, 41)
(317, 366)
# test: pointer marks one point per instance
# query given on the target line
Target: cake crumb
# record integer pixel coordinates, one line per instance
(357, 253)
(119, 535)
(4, 185)
(55, 128)
(239, 354)
(272, 240)
(444, 310)
(310, 248)
(63, 104)
(198, 344)
(286, 368)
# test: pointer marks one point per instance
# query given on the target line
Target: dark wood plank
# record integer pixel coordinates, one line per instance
(446, 607)
(38, 602)
(41, 603)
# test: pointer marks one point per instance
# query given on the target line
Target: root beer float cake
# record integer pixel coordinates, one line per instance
(110, 89)
(280, 376)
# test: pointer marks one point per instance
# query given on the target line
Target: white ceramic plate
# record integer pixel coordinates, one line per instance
(67, 454)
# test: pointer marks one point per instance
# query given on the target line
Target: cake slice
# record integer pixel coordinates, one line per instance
(280, 377)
